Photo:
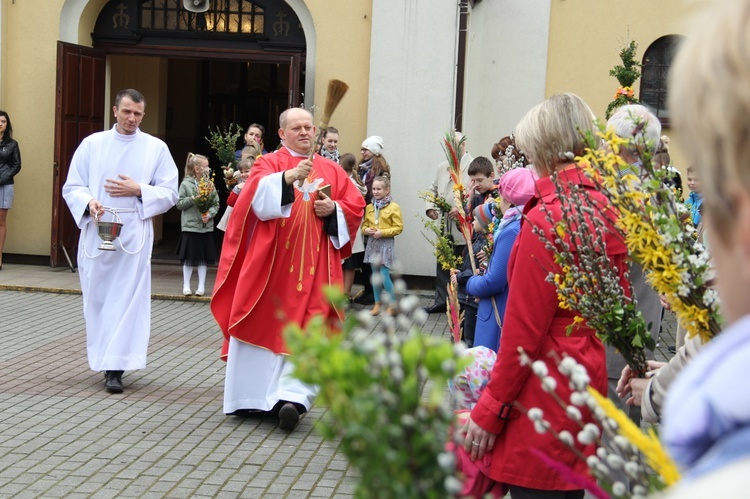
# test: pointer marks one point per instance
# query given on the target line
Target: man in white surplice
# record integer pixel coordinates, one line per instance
(129, 175)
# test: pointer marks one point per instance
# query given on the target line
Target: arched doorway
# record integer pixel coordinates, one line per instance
(242, 61)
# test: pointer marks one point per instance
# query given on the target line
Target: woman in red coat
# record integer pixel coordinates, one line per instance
(535, 322)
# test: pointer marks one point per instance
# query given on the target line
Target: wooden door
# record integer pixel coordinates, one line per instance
(79, 112)
(295, 80)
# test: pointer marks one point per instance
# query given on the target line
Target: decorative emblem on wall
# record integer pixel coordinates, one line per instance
(121, 20)
(281, 27)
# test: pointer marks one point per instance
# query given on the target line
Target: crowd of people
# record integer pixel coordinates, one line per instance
(306, 216)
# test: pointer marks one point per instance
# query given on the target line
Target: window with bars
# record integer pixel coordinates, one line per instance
(657, 60)
(223, 16)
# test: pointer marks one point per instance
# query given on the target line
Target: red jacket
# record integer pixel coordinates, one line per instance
(232, 199)
(534, 321)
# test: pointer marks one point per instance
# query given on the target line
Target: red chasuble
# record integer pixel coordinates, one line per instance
(272, 272)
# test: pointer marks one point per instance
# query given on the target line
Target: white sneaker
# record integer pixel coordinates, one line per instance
(187, 292)
(200, 292)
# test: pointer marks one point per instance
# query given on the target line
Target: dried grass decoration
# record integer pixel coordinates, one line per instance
(336, 91)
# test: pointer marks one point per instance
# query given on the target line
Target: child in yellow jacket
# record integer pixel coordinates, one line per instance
(382, 224)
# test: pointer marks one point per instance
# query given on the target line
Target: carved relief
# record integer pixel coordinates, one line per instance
(121, 20)
(281, 27)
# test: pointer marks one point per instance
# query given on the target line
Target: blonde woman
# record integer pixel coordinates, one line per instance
(550, 136)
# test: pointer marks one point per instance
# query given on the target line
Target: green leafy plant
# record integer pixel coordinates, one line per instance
(385, 396)
(626, 73)
(224, 143)
(442, 245)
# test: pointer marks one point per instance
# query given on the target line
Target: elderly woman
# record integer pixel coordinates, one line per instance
(706, 419)
(535, 322)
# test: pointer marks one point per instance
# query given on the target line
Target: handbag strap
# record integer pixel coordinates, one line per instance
(497, 314)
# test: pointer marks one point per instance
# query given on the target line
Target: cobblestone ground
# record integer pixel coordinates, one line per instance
(62, 435)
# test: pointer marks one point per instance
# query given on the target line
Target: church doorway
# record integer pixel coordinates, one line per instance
(239, 62)
(203, 93)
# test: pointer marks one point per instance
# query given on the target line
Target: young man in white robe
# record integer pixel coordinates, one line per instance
(128, 176)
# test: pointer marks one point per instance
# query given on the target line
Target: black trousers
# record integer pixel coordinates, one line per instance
(469, 325)
(524, 493)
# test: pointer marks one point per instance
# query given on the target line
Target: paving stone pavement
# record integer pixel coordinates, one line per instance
(62, 435)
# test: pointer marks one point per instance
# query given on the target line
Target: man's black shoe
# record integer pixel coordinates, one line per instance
(364, 299)
(672, 349)
(436, 308)
(113, 381)
(288, 417)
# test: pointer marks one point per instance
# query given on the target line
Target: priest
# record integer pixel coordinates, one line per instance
(284, 243)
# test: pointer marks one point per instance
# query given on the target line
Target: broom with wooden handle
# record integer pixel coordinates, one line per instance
(336, 91)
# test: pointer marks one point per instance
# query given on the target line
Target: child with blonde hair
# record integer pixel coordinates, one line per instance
(196, 245)
(382, 224)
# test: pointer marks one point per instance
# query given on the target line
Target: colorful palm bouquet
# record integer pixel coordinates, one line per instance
(442, 245)
(231, 176)
(441, 240)
(454, 312)
(488, 238)
(224, 143)
(628, 462)
(649, 220)
(451, 147)
(205, 198)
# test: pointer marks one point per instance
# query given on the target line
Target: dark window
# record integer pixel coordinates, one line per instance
(224, 16)
(656, 63)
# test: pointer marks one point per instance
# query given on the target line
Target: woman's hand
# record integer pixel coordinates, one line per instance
(205, 217)
(637, 387)
(663, 302)
(477, 441)
(629, 384)
(623, 384)
(376, 233)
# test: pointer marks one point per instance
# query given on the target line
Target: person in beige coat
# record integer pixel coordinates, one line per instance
(443, 186)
